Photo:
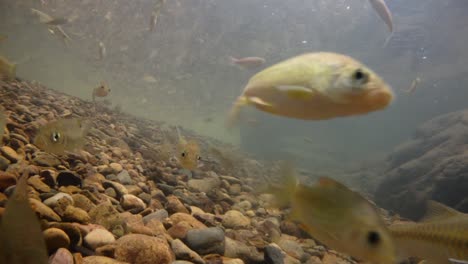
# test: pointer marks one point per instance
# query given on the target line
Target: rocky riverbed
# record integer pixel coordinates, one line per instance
(120, 200)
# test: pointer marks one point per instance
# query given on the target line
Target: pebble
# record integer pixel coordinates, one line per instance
(174, 205)
(182, 252)
(9, 153)
(4, 163)
(142, 249)
(52, 201)
(119, 188)
(235, 189)
(204, 185)
(56, 238)
(291, 247)
(107, 216)
(131, 202)
(159, 215)
(36, 183)
(72, 231)
(62, 256)
(82, 202)
(98, 238)
(273, 254)
(101, 260)
(206, 241)
(235, 219)
(124, 177)
(44, 211)
(237, 249)
(75, 214)
(67, 178)
(116, 167)
(6, 180)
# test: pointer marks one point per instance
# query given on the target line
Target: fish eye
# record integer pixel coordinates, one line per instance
(55, 136)
(183, 154)
(360, 76)
(373, 238)
(198, 158)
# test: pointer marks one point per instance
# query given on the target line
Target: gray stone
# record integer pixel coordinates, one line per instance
(206, 241)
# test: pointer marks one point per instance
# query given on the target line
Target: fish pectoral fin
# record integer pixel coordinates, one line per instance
(258, 101)
(296, 91)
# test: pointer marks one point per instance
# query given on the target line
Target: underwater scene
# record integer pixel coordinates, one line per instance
(233, 131)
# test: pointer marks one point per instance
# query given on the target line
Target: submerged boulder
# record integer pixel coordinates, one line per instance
(431, 165)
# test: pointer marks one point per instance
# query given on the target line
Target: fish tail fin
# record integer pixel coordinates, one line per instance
(233, 60)
(234, 114)
(387, 40)
(287, 186)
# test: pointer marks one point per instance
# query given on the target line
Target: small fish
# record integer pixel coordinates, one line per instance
(102, 50)
(382, 10)
(57, 21)
(153, 21)
(314, 86)
(189, 153)
(62, 135)
(43, 17)
(414, 86)
(101, 91)
(60, 33)
(149, 79)
(7, 69)
(440, 236)
(336, 216)
(248, 62)
(22, 241)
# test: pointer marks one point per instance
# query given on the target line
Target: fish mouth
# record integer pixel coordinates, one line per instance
(380, 97)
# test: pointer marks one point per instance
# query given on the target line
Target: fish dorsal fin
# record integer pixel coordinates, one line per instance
(437, 211)
(329, 182)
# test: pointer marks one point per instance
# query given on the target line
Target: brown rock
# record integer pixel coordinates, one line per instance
(62, 256)
(35, 181)
(174, 205)
(98, 238)
(101, 260)
(141, 249)
(56, 238)
(9, 153)
(6, 180)
(75, 214)
(44, 211)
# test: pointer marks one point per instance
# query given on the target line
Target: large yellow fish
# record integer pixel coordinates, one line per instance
(338, 217)
(21, 239)
(188, 152)
(62, 135)
(7, 69)
(315, 86)
(440, 237)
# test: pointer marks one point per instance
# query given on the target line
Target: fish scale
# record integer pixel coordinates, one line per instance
(437, 239)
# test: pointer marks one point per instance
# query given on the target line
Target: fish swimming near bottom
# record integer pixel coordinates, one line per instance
(62, 135)
(314, 86)
(440, 238)
(188, 152)
(337, 217)
(21, 239)
(101, 91)
(7, 69)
